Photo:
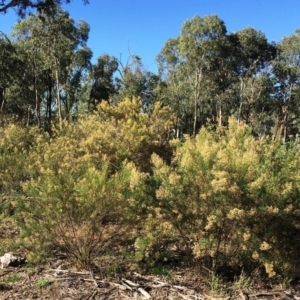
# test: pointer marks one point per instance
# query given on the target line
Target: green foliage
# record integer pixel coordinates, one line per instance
(242, 282)
(15, 145)
(13, 278)
(190, 57)
(159, 270)
(103, 85)
(137, 82)
(205, 75)
(52, 50)
(124, 132)
(42, 283)
(215, 283)
(23, 7)
(211, 75)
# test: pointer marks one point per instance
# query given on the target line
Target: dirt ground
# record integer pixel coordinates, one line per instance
(55, 280)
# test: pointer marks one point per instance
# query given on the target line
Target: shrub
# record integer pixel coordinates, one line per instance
(81, 182)
(15, 144)
(76, 207)
(232, 198)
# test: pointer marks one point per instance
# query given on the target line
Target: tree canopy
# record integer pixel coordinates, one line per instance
(24, 6)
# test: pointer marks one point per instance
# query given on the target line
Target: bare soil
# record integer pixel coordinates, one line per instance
(56, 280)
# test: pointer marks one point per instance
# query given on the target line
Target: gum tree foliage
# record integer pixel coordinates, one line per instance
(18, 84)
(55, 55)
(112, 81)
(286, 70)
(211, 75)
(7, 51)
(22, 7)
(190, 56)
(251, 56)
(103, 83)
(137, 81)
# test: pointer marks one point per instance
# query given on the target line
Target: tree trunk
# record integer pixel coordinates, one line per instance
(197, 82)
(28, 115)
(58, 100)
(241, 100)
(2, 99)
(37, 103)
(195, 115)
(282, 127)
(282, 130)
(220, 116)
(49, 101)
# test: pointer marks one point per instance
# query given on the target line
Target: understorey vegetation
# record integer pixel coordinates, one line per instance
(111, 184)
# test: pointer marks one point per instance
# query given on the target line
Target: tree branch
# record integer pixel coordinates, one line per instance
(22, 5)
(5, 7)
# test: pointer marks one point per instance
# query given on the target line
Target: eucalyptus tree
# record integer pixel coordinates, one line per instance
(16, 81)
(78, 69)
(252, 55)
(191, 56)
(102, 80)
(24, 92)
(61, 48)
(22, 7)
(32, 85)
(135, 81)
(7, 50)
(286, 69)
(174, 92)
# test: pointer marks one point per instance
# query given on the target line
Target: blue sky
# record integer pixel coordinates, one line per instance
(124, 27)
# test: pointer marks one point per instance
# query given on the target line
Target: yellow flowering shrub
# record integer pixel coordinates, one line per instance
(73, 205)
(15, 145)
(124, 132)
(223, 197)
(232, 196)
(83, 181)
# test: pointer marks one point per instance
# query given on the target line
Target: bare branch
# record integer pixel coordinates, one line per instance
(4, 7)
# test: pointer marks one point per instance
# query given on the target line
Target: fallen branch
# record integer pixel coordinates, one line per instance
(130, 282)
(69, 272)
(144, 293)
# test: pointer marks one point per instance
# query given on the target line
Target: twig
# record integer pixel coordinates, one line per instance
(63, 278)
(179, 287)
(197, 297)
(130, 282)
(160, 282)
(144, 293)
(263, 294)
(93, 295)
(242, 295)
(93, 279)
(119, 286)
(155, 286)
(184, 296)
(127, 286)
(69, 271)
